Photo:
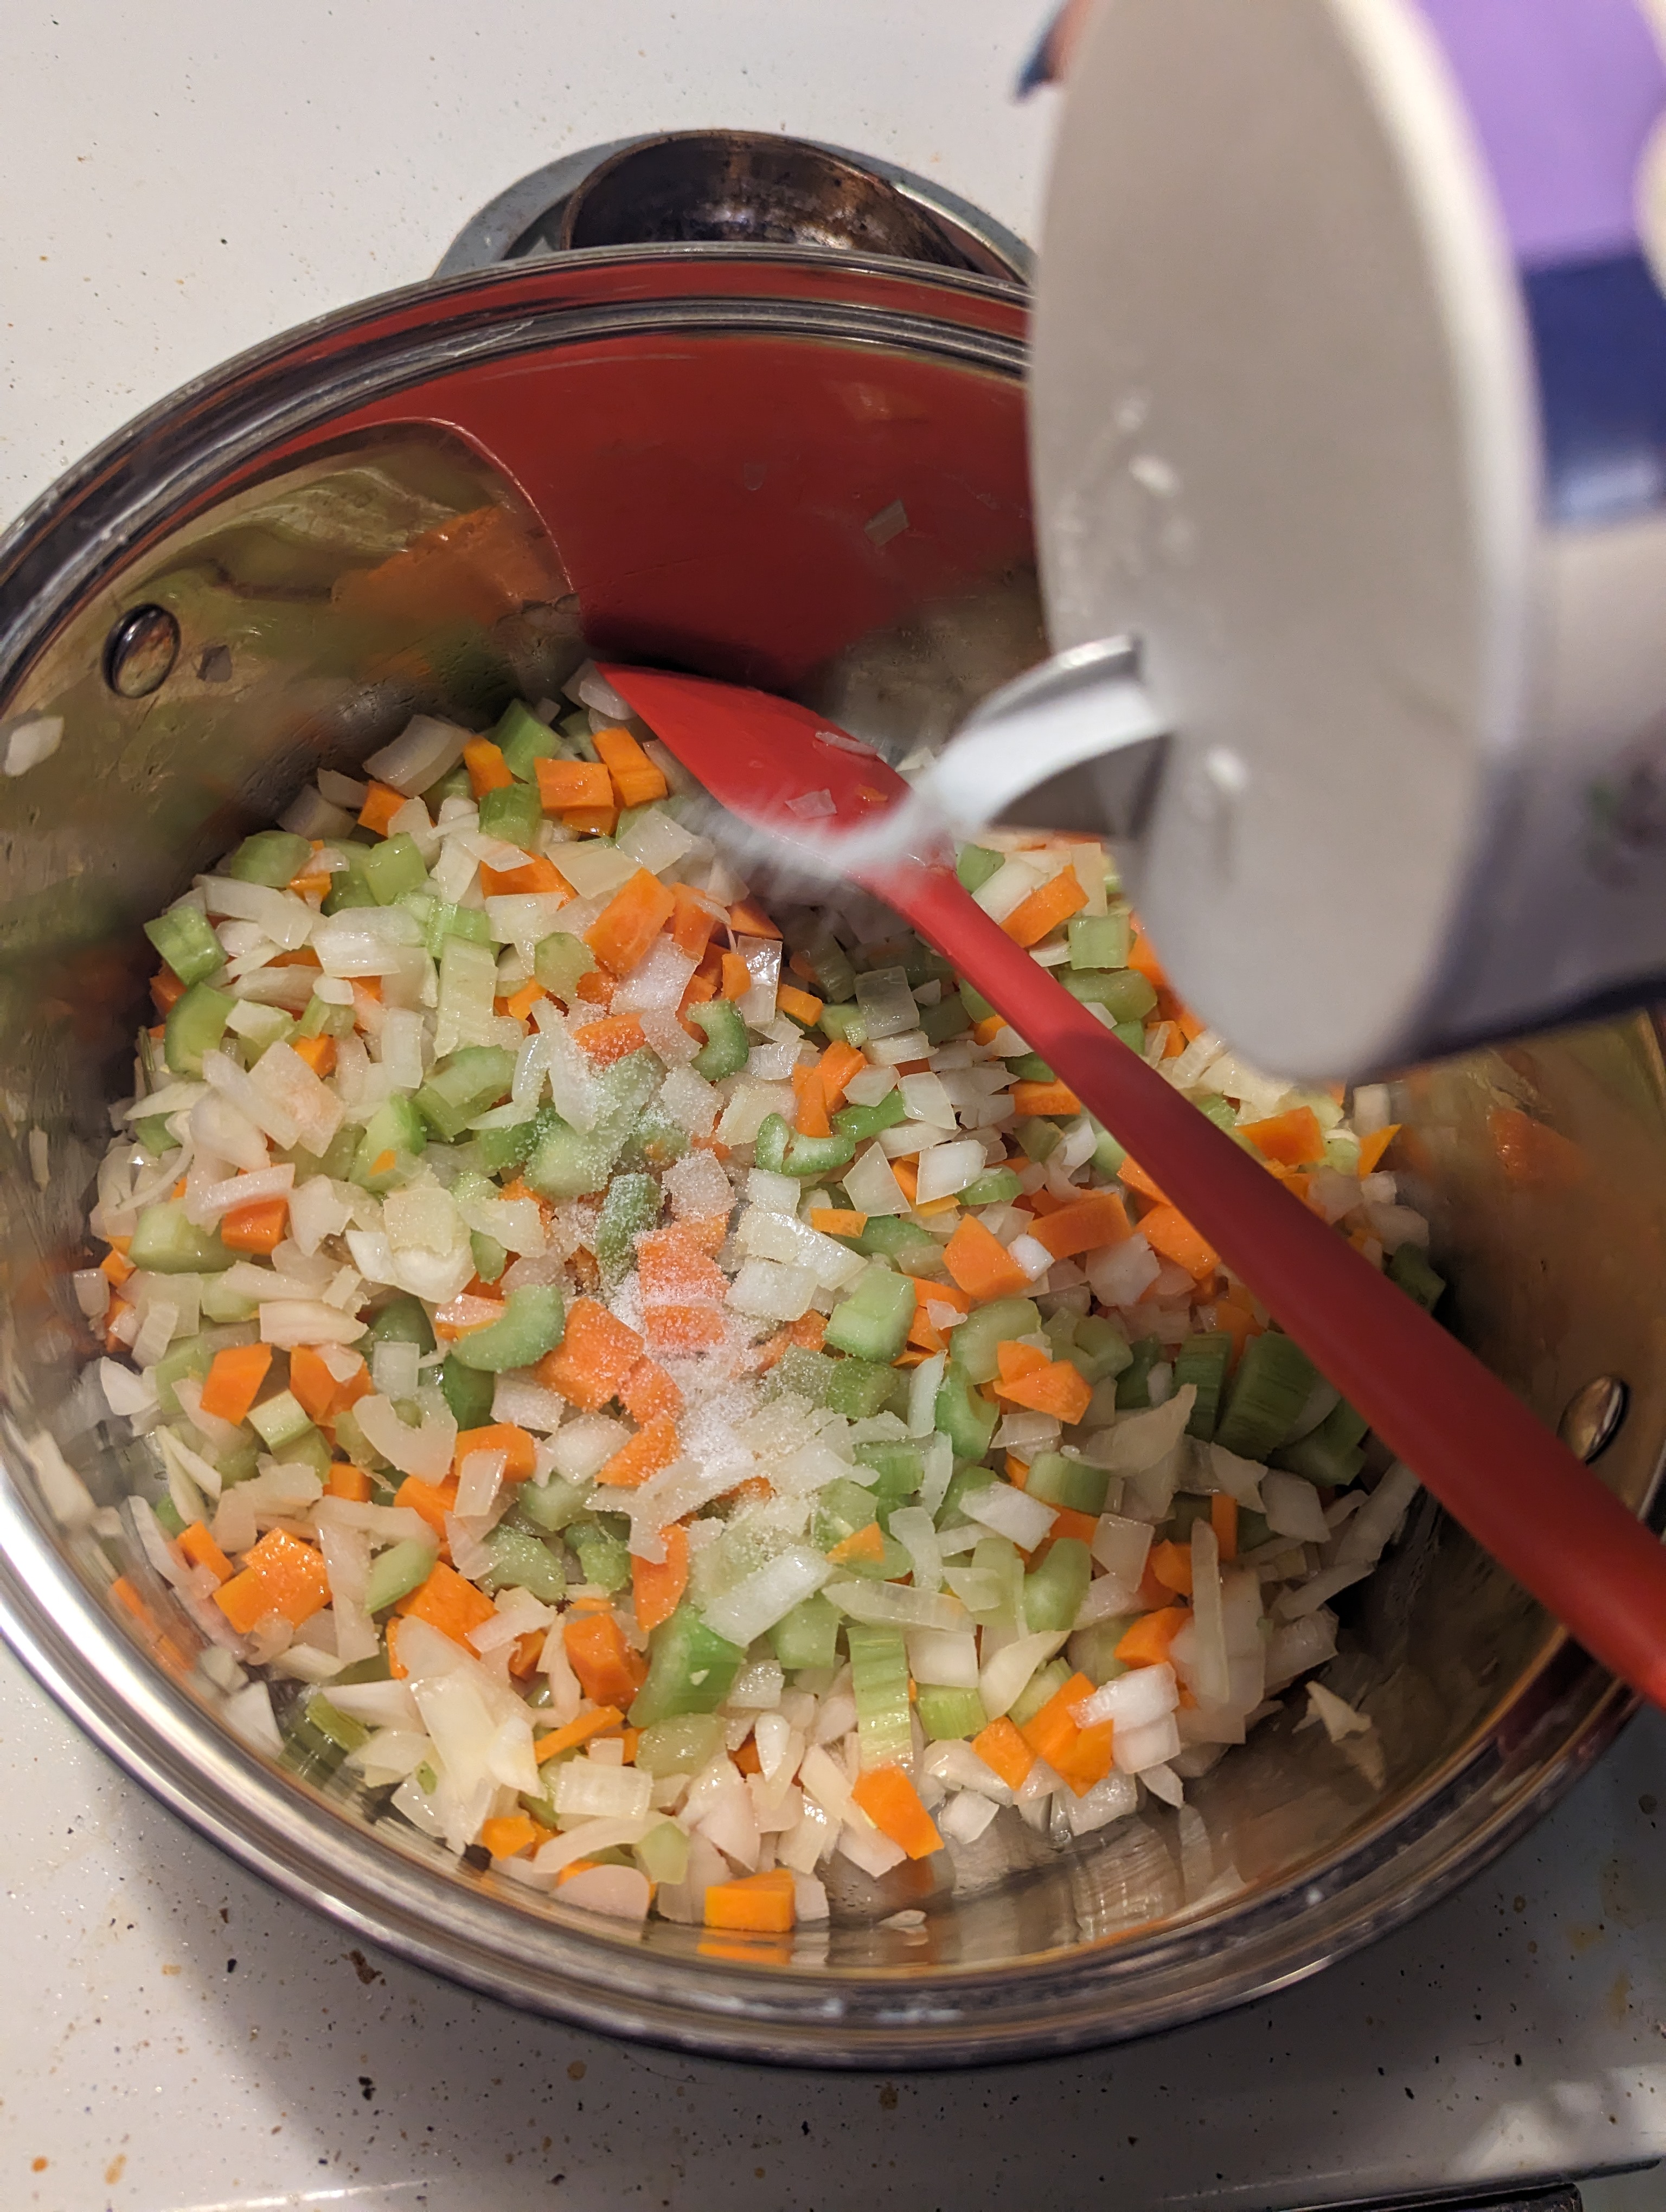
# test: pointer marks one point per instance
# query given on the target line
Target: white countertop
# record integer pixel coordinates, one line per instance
(182, 180)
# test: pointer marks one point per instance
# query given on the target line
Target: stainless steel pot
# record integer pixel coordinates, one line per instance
(807, 471)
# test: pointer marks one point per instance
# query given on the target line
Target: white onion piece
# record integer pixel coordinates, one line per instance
(425, 749)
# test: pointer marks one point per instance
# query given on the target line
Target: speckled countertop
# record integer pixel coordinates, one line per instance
(180, 181)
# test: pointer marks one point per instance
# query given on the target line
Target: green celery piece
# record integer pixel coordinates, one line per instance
(879, 1683)
(1267, 1393)
(523, 741)
(1031, 1068)
(440, 922)
(512, 813)
(352, 1441)
(559, 961)
(862, 1122)
(806, 1637)
(1329, 1454)
(892, 1236)
(394, 1573)
(1036, 1139)
(965, 1482)
(490, 1258)
(533, 1322)
(829, 963)
(726, 1047)
(279, 1420)
(151, 1130)
(843, 1024)
(471, 1080)
(580, 744)
(307, 1752)
(393, 868)
(1133, 1383)
(691, 1670)
(466, 1387)
(655, 1141)
(522, 1562)
(1407, 1267)
(310, 1449)
(501, 1150)
(1054, 1590)
(947, 1018)
(169, 1515)
(395, 1126)
(603, 1558)
(859, 1388)
(663, 1853)
(629, 1210)
(967, 1419)
(272, 857)
(899, 1467)
(1100, 1350)
(1100, 940)
(872, 1324)
(800, 1373)
(223, 1305)
(196, 1022)
(994, 1186)
(810, 1157)
(1043, 1684)
(1132, 1034)
(1093, 1649)
(1108, 1155)
(455, 783)
(949, 1715)
(682, 1745)
(341, 1729)
(770, 1146)
(1124, 993)
(1070, 1483)
(348, 885)
(563, 1163)
(165, 1244)
(974, 865)
(1000, 1321)
(1203, 1361)
(552, 1506)
(193, 1358)
(183, 937)
(978, 1008)
(264, 1027)
(321, 1019)
(401, 1320)
(841, 1508)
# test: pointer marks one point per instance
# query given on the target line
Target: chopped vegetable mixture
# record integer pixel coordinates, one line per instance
(675, 1396)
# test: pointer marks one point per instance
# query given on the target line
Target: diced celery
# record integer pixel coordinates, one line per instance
(1407, 1267)
(1036, 1139)
(272, 857)
(978, 1008)
(1031, 1068)
(1071, 1483)
(1043, 1684)
(490, 1258)
(533, 1322)
(1133, 1383)
(994, 1186)
(168, 1514)
(879, 1683)
(401, 1320)
(565, 1163)
(523, 741)
(394, 1573)
(348, 885)
(663, 1853)
(1093, 1649)
(522, 1562)
(322, 1019)
(473, 1078)
(1001, 1320)
(1268, 1391)
(726, 1047)
(1329, 1454)
(151, 1130)
(976, 864)
(352, 1441)
(806, 1637)
(554, 1504)
(184, 941)
(444, 921)
(196, 1022)
(559, 961)
(893, 1237)
(395, 1126)
(769, 1146)
(1100, 940)
(500, 1150)
(966, 1418)
(1054, 1590)
(899, 1467)
(691, 1670)
(1203, 1361)
(873, 1321)
(843, 1024)
(683, 1745)
(193, 1357)
(224, 1305)
(603, 1558)
(863, 1122)
(466, 1386)
(654, 1142)
(262, 1027)
(512, 813)
(1124, 993)
(841, 1510)
(947, 1018)
(165, 1244)
(341, 1728)
(1100, 1350)
(394, 867)
(631, 1210)
(280, 1420)
(858, 1389)
(801, 1373)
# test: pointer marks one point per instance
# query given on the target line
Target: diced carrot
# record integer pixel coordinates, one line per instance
(1089, 1757)
(907, 1176)
(609, 1671)
(807, 1331)
(746, 919)
(433, 1500)
(256, 1228)
(1147, 1641)
(1371, 1148)
(763, 1903)
(748, 1759)
(694, 917)
(1134, 1177)
(672, 1269)
(810, 1120)
(683, 1331)
(1041, 913)
(537, 872)
(519, 1450)
(890, 1801)
(112, 1313)
(519, 1003)
(510, 1833)
(166, 990)
(385, 1162)
(485, 764)
(1085, 1226)
(115, 1267)
(737, 976)
(1014, 1360)
(982, 1265)
(525, 1652)
(1004, 1750)
(868, 1543)
(1051, 1732)
(591, 821)
(709, 1231)
(1066, 1523)
(563, 784)
(1142, 958)
(1171, 1565)
(803, 1006)
(1151, 1594)
(449, 1602)
(648, 1391)
(233, 1380)
(200, 1548)
(381, 804)
(837, 1221)
(838, 1064)
(615, 1036)
(596, 1721)
(311, 1383)
(654, 1446)
(658, 1585)
(1293, 1139)
(1224, 1519)
(281, 1575)
(636, 780)
(318, 1052)
(623, 932)
(1168, 1232)
(346, 1481)
(1054, 1387)
(1043, 1099)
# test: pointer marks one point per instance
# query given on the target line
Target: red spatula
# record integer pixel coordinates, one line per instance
(1541, 1513)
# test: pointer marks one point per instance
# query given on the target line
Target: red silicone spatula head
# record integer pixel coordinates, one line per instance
(1543, 1515)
